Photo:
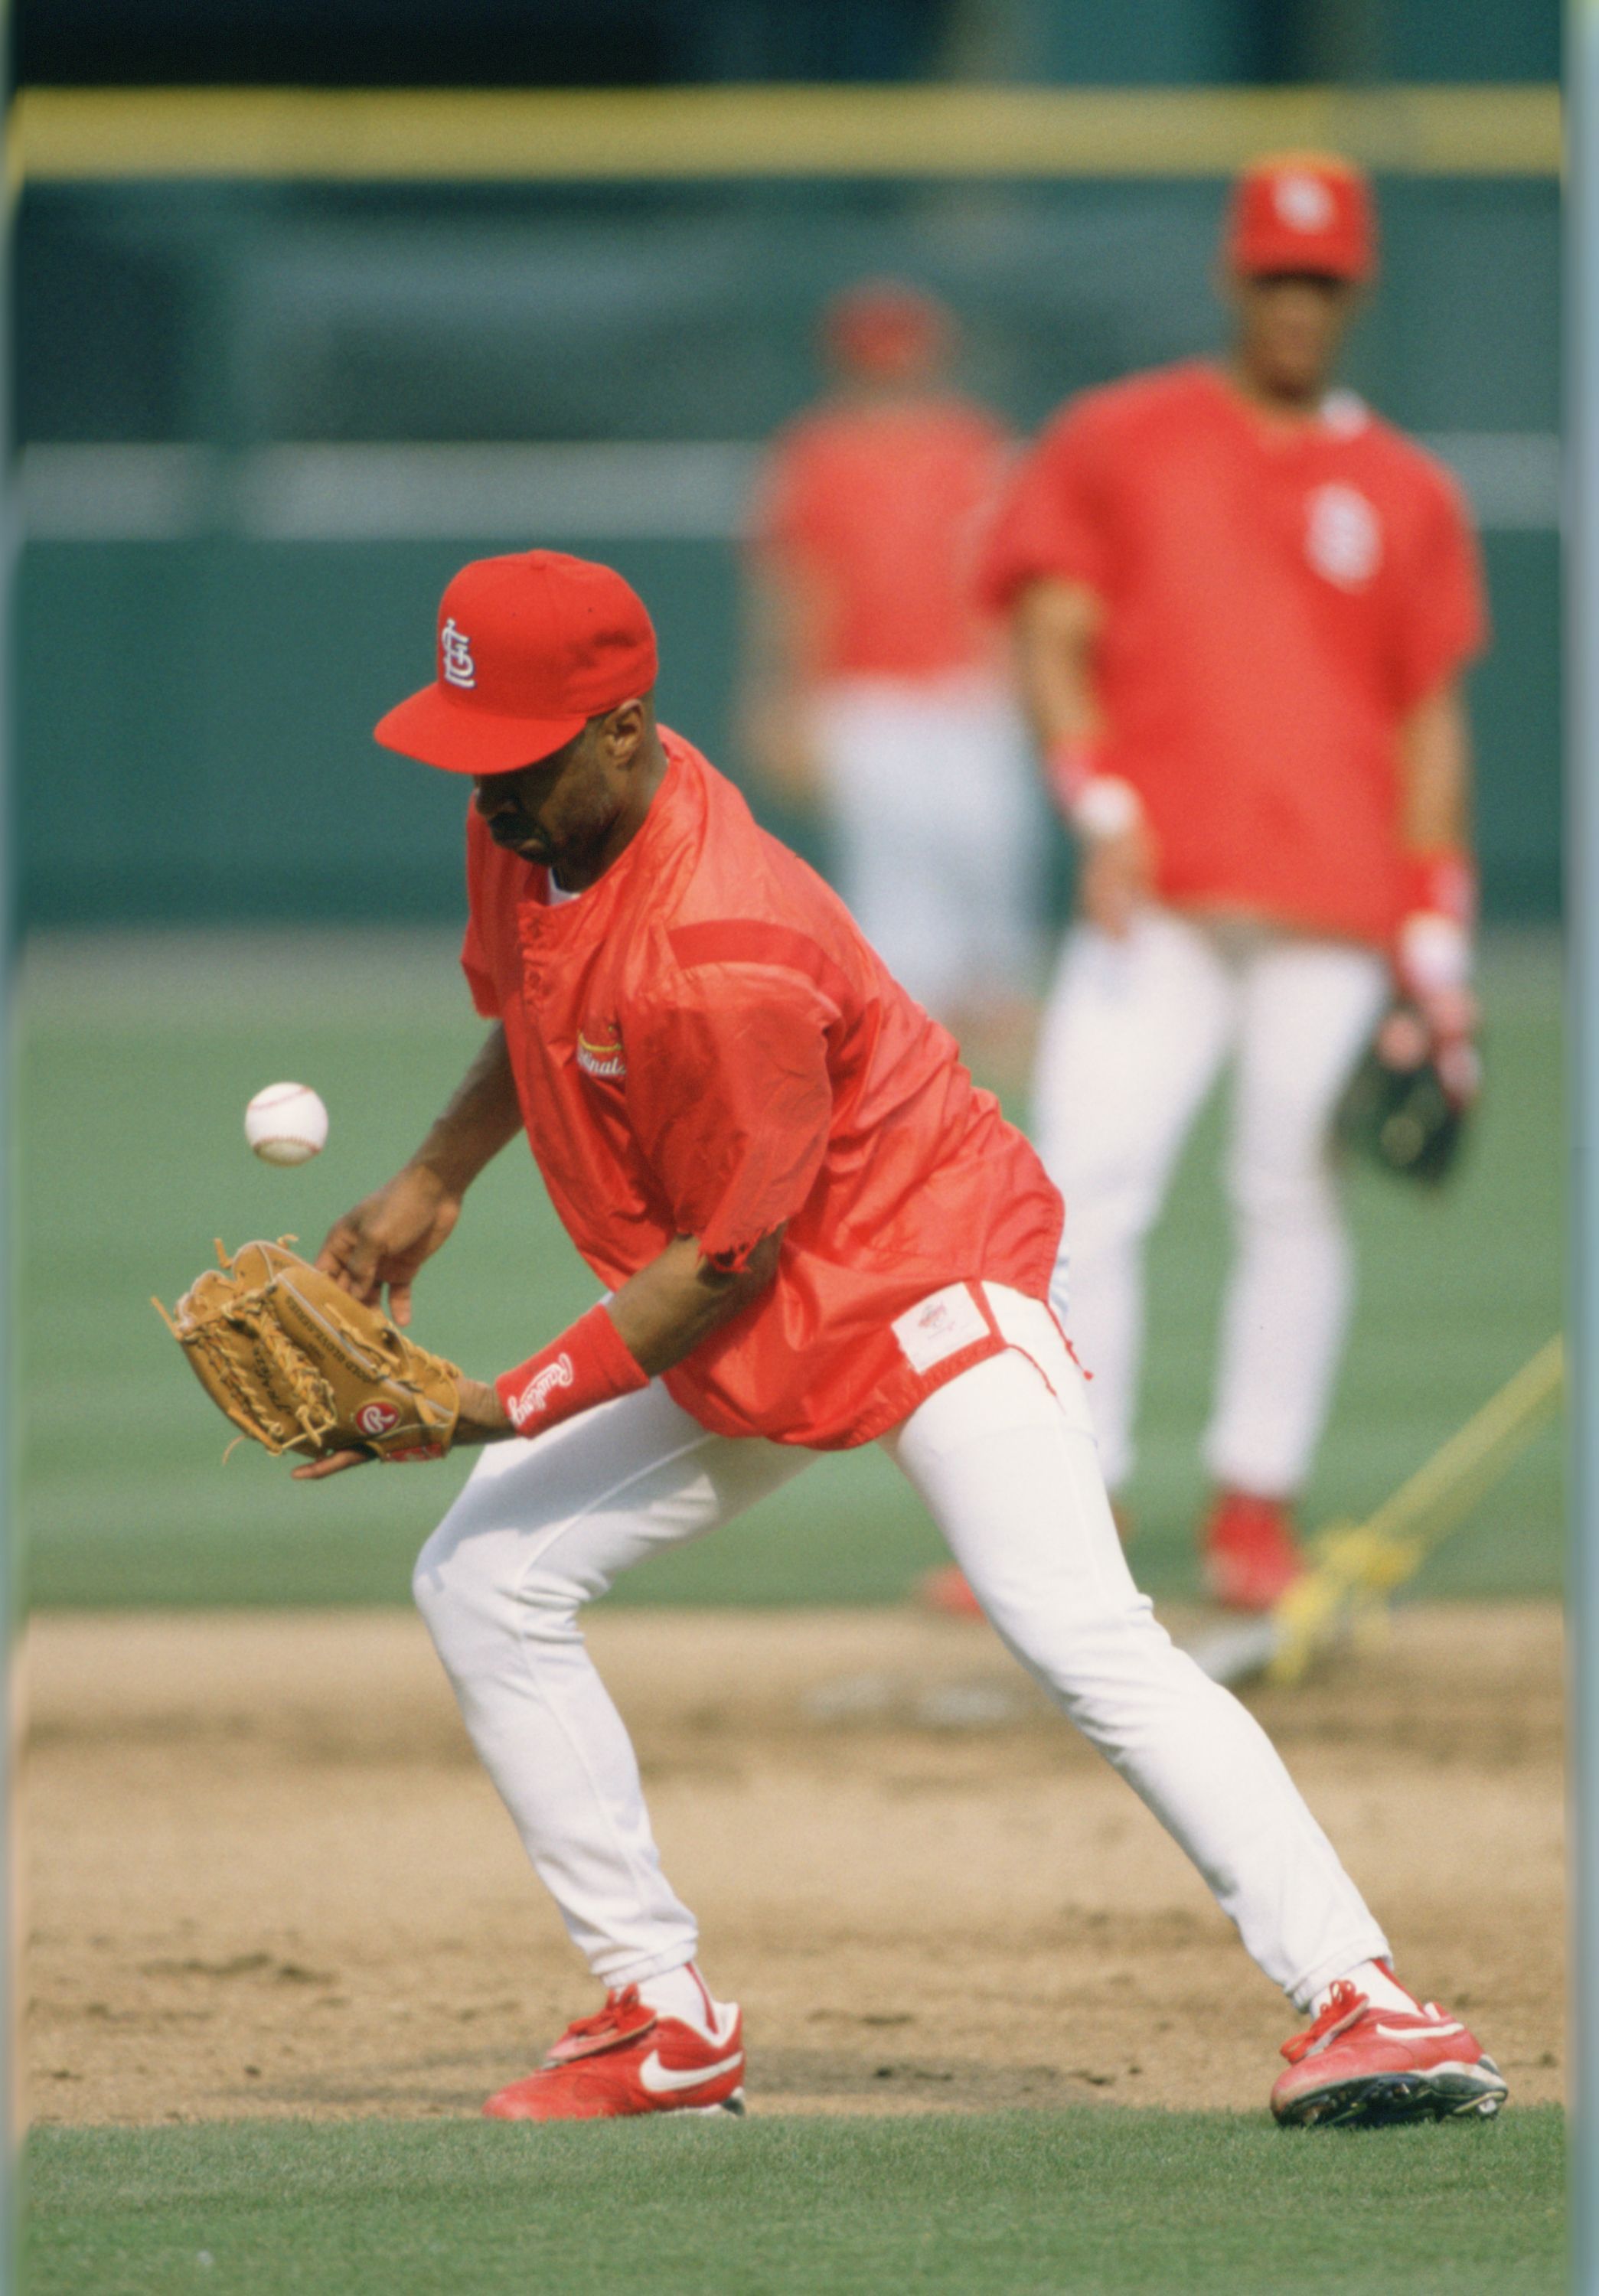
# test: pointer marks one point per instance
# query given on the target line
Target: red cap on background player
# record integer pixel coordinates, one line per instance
(887, 331)
(1302, 211)
(530, 647)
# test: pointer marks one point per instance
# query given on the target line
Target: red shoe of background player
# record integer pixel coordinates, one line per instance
(1360, 2066)
(627, 2059)
(1250, 1554)
(945, 1589)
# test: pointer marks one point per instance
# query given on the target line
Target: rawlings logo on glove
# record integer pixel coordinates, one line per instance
(297, 1364)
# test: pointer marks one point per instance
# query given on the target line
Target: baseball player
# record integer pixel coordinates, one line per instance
(875, 685)
(814, 1232)
(1242, 606)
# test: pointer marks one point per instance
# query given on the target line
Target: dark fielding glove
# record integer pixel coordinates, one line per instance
(1397, 1110)
(297, 1364)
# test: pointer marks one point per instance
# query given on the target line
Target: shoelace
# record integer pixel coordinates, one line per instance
(1345, 2004)
(605, 2022)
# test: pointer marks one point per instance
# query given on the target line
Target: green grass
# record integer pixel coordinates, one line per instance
(1106, 2203)
(137, 1061)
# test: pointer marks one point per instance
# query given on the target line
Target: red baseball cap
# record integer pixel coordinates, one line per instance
(886, 330)
(1302, 211)
(530, 647)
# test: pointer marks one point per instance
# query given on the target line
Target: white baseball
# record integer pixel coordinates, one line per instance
(286, 1124)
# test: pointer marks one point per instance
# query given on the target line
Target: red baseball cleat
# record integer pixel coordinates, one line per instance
(1250, 1554)
(627, 2059)
(945, 1589)
(1360, 2066)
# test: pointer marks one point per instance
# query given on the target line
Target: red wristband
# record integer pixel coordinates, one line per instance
(590, 1363)
(1440, 883)
(1070, 764)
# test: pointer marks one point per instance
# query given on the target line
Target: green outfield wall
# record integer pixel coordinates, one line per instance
(264, 420)
(214, 759)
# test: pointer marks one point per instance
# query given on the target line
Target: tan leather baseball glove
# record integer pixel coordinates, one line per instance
(299, 1365)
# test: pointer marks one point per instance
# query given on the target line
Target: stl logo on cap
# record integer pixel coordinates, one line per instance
(1301, 211)
(554, 642)
(457, 666)
(1304, 202)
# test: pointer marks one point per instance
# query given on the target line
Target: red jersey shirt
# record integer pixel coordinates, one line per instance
(704, 1044)
(1276, 602)
(884, 508)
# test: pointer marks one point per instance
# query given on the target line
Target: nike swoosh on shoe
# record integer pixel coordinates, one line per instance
(661, 2081)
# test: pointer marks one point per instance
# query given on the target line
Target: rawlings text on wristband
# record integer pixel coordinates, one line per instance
(590, 1363)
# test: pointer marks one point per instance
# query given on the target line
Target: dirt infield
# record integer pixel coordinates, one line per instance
(265, 1875)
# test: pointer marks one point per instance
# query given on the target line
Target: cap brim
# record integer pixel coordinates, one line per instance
(460, 738)
(1265, 259)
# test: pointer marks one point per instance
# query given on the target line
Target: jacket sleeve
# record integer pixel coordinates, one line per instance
(731, 1101)
(1051, 523)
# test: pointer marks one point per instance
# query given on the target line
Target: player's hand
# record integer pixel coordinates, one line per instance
(1432, 966)
(483, 1417)
(383, 1242)
(1442, 1028)
(1117, 879)
(335, 1463)
(482, 1420)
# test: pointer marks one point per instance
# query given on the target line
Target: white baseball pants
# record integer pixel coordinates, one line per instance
(1134, 1036)
(931, 790)
(1004, 1459)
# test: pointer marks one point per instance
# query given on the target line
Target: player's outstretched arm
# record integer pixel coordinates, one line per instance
(1435, 772)
(1057, 626)
(385, 1239)
(651, 1323)
(1432, 948)
(664, 1312)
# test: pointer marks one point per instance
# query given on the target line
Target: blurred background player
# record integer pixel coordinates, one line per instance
(1242, 605)
(874, 687)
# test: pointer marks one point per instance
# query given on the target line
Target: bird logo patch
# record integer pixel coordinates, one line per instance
(1343, 535)
(600, 1051)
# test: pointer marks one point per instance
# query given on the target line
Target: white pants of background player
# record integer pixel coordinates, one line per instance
(1004, 1457)
(929, 782)
(1134, 1036)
